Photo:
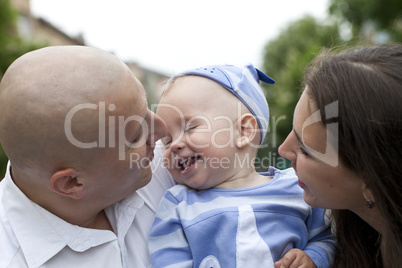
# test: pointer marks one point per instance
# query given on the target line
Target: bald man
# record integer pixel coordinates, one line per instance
(75, 125)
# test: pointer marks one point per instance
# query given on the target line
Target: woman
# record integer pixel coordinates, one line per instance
(348, 154)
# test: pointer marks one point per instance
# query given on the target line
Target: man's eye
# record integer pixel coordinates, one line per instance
(138, 137)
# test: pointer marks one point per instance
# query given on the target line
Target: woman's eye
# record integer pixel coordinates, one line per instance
(304, 152)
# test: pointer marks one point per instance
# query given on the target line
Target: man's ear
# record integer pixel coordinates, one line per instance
(66, 183)
(248, 129)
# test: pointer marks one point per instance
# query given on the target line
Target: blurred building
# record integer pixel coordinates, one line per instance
(45, 33)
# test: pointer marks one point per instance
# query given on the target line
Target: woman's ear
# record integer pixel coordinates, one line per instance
(65, 182)
(368, 195)
(248, 129)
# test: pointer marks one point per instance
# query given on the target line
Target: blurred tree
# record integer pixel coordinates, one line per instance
(8, 17)
(285, 59)
(3, 163)
(370, 20)
(11, 47)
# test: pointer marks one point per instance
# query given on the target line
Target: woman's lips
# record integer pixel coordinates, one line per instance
(301, 184)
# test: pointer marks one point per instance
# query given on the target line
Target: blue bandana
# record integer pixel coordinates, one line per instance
(243, 82)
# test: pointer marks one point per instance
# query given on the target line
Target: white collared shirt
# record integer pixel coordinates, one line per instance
(31, 236)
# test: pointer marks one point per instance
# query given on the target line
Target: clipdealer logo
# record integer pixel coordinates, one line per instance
(108, 124)
(122, 122)
(330, 156)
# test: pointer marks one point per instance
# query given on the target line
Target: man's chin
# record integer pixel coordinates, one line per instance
(147, 178)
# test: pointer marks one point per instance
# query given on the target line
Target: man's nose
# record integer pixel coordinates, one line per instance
(157, 128)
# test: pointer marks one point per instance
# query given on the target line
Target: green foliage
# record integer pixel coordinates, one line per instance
(285, 59)
(7, 29)
(11, 47)
(384, 15)
(287, 56)
(3, 163)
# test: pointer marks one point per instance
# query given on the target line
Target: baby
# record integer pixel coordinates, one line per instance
(223, 213)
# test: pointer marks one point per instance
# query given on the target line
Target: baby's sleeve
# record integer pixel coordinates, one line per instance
(321, 243)
(168, 244)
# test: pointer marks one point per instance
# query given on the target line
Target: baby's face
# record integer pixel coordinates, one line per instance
(201, 118)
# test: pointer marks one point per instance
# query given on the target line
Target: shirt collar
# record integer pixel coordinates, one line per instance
(33, 226)
(121, 214)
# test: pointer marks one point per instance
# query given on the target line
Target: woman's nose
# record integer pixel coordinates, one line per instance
(286, 149)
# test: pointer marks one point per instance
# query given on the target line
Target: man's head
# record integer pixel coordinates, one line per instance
(73, 116)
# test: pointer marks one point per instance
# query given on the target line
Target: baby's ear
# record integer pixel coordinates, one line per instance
(248, 129)
(65, 182)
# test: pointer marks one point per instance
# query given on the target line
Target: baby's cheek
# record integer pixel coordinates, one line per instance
(168, 160)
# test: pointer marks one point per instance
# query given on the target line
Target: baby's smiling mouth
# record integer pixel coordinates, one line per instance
(186, 163)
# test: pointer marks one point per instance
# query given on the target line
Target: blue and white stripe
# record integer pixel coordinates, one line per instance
(237, 227)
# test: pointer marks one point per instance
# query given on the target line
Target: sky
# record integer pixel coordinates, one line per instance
(169, 36)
